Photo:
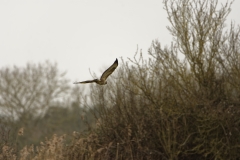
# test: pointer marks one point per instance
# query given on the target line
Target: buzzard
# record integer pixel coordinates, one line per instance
(104, 76)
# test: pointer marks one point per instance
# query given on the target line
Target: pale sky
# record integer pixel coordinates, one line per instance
(81, 34)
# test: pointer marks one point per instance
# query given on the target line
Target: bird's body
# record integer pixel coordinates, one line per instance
(102, 80)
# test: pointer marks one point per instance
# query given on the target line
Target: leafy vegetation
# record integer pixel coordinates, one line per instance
(180, 103)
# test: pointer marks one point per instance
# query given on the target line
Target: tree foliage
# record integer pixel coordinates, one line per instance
(182, 102)
(30, 89)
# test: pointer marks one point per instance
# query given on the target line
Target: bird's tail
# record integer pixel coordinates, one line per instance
(76, 82)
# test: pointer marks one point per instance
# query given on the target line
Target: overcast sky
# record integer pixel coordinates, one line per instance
(81, 34)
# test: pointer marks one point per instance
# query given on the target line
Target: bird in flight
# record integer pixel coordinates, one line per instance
(104, 76)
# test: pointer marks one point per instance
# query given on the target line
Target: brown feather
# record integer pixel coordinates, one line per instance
(109, 70)
(104, 76)
(89, 81)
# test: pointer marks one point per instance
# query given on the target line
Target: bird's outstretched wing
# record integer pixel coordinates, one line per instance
(89, 81)
(109, 70)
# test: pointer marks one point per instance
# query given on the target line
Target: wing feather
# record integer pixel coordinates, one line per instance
(109, 70)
